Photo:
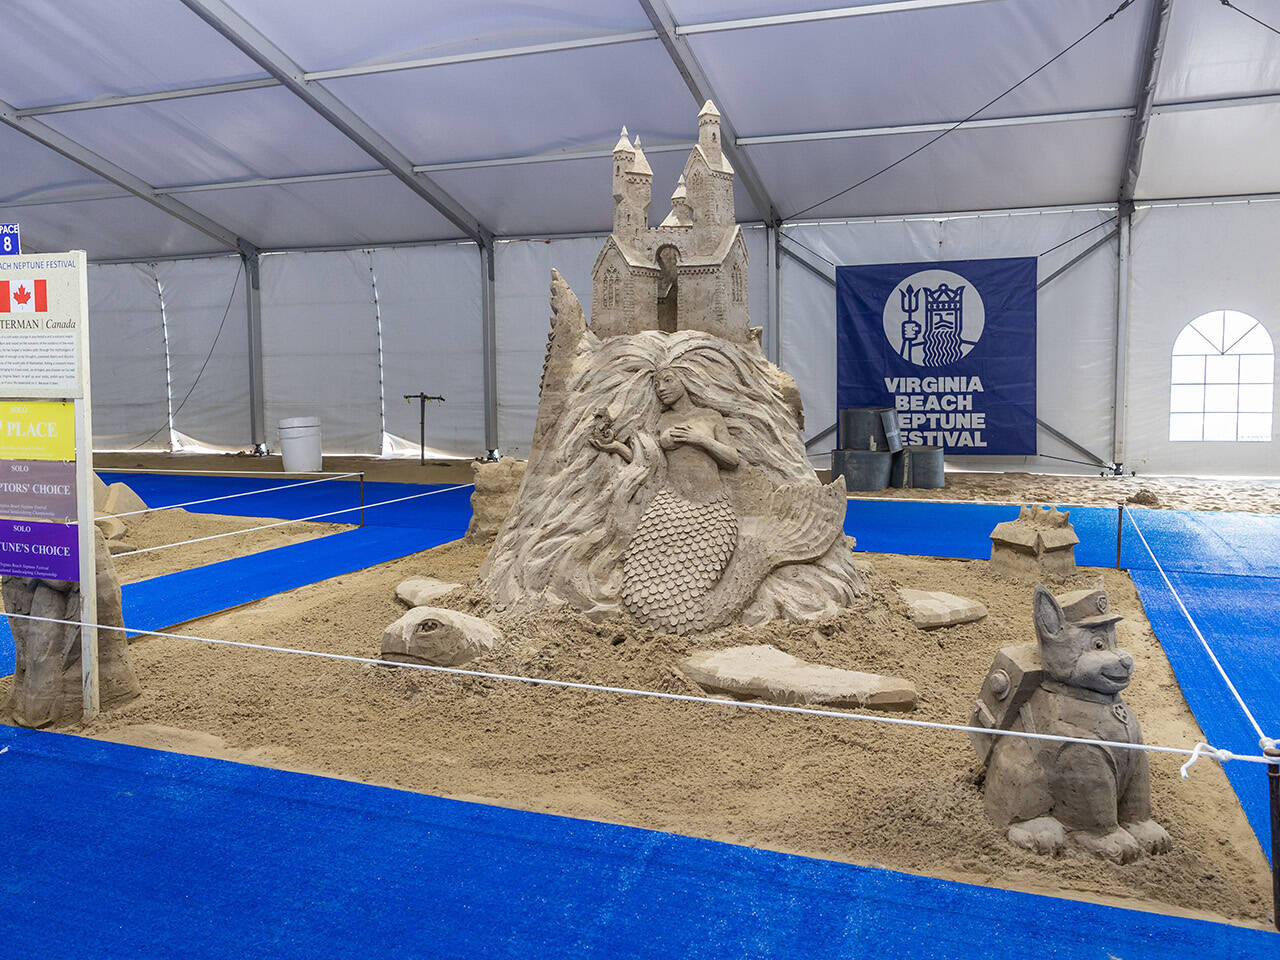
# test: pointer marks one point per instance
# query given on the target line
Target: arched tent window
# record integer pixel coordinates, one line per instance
(1223, 370)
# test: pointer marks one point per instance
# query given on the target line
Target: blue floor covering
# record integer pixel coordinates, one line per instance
(120, 852)
(206, 858)
(390, 532)
(1240, 618)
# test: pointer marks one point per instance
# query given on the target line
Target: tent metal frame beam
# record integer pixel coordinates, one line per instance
(250, 41)
(695, 78)
(839, 13)
(421, 63)
(1157, 31)
(894, 130)
(507, 53)
(180, 93)
(102, 167)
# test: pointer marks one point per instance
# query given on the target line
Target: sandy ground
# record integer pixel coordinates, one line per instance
(837, 789)
(1253, 495)
(174, 526)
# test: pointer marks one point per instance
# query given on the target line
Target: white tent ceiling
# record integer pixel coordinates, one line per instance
(496, 102)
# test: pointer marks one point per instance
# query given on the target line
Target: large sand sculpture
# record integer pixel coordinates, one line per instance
(667, 476)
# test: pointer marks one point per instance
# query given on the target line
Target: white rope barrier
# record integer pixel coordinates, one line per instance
(1199, 750)
(220, 473)
(282, 523)
(232, 496)
(1263, 738)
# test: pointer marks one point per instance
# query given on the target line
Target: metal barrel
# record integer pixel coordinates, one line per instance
(862, 470)
(918, 468)
(863, 428)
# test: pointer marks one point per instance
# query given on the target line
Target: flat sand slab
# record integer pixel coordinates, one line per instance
(762, 671)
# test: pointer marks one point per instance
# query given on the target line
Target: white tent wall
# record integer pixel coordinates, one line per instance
(127, 359)
(320, 347)
(204, 308)
(522, 281)
(1187, 260)
(429, 301)
(1076, 313)
(522, 271)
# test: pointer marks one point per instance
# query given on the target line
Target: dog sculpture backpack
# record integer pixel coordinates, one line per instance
(1052, 794)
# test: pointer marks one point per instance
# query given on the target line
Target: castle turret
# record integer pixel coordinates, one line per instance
(709, 135)
(623, 154)
(632, 185)
(681, 214)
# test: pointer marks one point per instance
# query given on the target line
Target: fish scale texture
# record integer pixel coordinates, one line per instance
(678, 553)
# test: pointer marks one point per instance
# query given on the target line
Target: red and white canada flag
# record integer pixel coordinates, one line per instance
(23, 296)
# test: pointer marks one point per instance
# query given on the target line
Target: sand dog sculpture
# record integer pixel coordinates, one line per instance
(1039, 545)
(1053, 794)
(46, 678)
(667, 476)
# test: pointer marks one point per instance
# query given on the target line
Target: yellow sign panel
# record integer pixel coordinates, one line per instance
(37, 430)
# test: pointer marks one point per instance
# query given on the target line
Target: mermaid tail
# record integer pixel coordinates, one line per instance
(678, 553)
(691, 568)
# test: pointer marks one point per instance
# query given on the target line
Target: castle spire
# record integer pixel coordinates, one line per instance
(640, 164)
(623, 145)
(709, 135)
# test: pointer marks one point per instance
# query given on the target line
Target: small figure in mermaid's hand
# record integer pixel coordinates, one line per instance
(605, 438)
(1054, 795)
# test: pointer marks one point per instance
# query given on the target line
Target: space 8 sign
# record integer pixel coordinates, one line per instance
(950, 345)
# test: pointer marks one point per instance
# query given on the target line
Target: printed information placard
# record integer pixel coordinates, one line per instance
(950, 345)
(34, 549)
(38, 490)
(40, 316)
(37, 430)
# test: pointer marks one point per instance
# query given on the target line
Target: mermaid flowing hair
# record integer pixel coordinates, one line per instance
(564, 539)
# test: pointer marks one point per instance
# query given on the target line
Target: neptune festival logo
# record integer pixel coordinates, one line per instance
(950, 345)
(934, 318)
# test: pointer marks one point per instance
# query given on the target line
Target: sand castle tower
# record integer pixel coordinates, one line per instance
(689, 272)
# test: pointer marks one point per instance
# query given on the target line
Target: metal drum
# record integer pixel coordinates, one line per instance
(863, 428)
(919, 468)
(862, 469)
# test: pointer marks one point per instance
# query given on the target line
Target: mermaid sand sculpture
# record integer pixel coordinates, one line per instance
(667, 477)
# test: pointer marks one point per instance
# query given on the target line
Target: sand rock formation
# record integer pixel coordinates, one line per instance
(46, 680)
(764, 672)
(1039, 545)
(929, 609)
(420, 591)
(496, 486)
(443, 638)
(667, 476)
(1052, 794)
(116, 508)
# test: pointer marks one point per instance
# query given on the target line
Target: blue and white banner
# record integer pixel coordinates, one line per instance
(950, 345)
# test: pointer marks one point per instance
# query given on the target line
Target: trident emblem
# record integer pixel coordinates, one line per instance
(911, 330)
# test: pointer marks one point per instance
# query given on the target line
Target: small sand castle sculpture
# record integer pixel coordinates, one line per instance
(46, 679)
(496, 484)
(1051, 794)
(667, 476)
(1039, 545)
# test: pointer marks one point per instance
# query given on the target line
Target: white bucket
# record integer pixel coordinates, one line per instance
(300, 444)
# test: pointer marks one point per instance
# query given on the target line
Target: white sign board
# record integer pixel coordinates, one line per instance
(43, 336)
(44, 354)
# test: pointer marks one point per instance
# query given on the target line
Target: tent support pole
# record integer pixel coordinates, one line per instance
(489, 342)
(253, 305)
(1120, 419)
(773, 318)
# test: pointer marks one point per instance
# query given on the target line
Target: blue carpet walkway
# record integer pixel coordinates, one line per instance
(390, 532)
(119, 852)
